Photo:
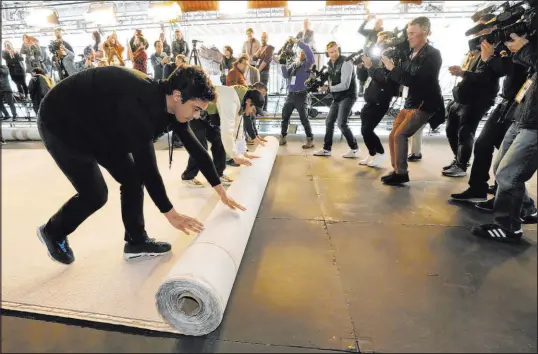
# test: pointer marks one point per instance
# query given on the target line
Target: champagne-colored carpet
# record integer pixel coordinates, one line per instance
(100, 285)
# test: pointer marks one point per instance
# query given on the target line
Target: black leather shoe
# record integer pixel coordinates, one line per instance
(396, 179)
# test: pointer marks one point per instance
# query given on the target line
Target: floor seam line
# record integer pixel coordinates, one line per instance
(335, 263)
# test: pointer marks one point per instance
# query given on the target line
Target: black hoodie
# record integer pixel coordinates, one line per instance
(109, 111)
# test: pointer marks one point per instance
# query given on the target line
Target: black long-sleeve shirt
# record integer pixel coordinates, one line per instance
(112, 111)
(516, 75)
(421, 76)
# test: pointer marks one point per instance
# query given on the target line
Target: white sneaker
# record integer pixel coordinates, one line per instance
(378, 160)
(352, 154)
(194, 183)
(366, 161)
(322, 152)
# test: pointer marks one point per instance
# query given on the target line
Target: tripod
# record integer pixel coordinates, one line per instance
(194, 54)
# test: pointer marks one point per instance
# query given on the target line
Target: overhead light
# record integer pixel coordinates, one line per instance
(381, 6)
(101, 14)
(164, 10)
(305, 6)
(233, 7)
(42, 17)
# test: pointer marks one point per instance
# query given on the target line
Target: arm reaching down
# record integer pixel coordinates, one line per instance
(198, 153)
(146, 163)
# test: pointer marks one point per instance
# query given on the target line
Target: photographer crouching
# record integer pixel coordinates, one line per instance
(419, 75)
(296, 74)
(343, 88)
(517, 160)
(378, 93)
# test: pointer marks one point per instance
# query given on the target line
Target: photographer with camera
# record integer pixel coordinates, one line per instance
(343, 88)
(296, 74)
(474, 96)
(419, 74)
(58, 54)
(496, 126)
(517, 160)
(378, 93)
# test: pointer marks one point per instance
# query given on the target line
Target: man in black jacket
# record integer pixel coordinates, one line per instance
(419, 75)
(473, 98)
(517, 160)
(133, 111)
(378, 93)
(496, 126)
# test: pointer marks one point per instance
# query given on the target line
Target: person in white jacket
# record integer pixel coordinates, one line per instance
(224, 128)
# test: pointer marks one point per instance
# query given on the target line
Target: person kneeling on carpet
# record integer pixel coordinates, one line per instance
(118, 134)
(234, 104)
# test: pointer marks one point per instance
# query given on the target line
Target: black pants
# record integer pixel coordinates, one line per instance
(8, 97)
(461, 125)
(264, 78)
(83, 172)
(340, 111)
(371, 115)
(22, 87)
(298, 101)
(490, 138)
(204, 132)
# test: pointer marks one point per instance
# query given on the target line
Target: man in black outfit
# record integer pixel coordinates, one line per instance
(133, 111)
(474, 95)
(496, 126)
(378, 94)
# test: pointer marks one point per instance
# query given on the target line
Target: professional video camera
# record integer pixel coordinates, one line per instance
(287, 53)
(516, 18)
(317, 78)
(394, 46)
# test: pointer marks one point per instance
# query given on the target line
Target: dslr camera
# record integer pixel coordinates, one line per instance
(518, 18)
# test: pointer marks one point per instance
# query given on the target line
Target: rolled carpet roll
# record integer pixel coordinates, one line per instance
(194, 295)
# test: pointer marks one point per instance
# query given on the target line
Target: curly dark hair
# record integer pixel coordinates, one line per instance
(192, 82)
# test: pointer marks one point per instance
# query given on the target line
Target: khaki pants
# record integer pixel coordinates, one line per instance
(407, 123)
(416, 141)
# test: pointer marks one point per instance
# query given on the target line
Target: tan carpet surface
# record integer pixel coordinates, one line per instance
(100, 285)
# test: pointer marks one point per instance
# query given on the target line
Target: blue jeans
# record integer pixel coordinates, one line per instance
(516, 163)
(340, 111)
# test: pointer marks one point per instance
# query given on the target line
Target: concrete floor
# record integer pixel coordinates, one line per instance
(339, 262)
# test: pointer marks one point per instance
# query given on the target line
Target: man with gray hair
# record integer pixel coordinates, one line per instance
(419, 76)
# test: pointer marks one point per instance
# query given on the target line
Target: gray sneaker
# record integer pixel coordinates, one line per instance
(455, 171)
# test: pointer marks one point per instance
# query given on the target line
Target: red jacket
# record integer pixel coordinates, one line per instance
(235, 77)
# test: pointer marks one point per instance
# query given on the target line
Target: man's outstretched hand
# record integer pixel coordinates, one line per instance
(250, 156)
(242, 160)
(229, 202)
(183, 222)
